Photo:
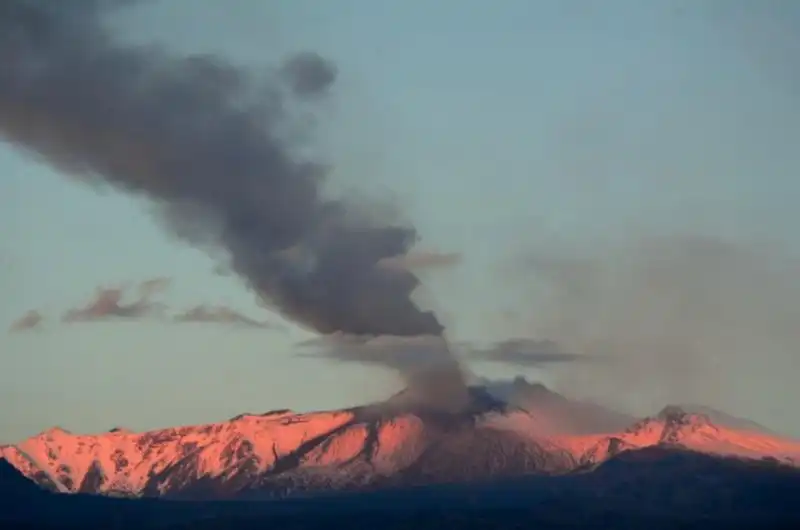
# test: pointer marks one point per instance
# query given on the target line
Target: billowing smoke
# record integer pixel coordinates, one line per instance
(217, 149)
(425, 361)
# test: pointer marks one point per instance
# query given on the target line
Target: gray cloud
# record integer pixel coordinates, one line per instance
(421, 259)
(404, 353)
(222, 315)
(525, 352)
(426, 362)
(555, 413)
(108, 303)
(208, 142)
(30, 320)
(391, 351)
(308, 73)
(218, 151)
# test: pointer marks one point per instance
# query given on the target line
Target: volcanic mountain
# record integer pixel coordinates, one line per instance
(393, 443)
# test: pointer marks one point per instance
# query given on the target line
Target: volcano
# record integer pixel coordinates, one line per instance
(394, 443)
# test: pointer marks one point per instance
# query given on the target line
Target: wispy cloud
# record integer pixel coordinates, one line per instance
(524, 352)
(222, 315)
(388, 350)
(30, 320)
(402, 352)
(108, 303)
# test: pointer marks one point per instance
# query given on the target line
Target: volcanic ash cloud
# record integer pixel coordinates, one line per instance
(216, 149)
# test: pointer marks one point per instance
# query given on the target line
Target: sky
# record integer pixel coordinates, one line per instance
(490, 125)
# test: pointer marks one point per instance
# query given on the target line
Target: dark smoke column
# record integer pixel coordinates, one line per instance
(202, 139)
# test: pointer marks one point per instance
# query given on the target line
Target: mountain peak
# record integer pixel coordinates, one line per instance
(403, 440)
(54, 432)
(671, 425)
(519, 387)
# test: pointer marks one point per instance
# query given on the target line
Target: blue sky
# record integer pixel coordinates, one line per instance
(491, 124)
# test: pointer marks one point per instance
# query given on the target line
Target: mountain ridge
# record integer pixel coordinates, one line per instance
(392, 443)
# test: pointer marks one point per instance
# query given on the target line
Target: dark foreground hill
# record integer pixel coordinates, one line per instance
(536, 461)
(650, 488)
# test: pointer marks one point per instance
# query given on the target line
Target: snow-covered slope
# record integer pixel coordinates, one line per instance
(123, 462)
(673, 426)
(284, 452)
(391, 443)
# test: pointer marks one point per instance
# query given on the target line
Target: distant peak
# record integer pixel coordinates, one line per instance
(55, 431)
(673, 422)
(520, 390)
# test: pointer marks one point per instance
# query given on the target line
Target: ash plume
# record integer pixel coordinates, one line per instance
(108, 303)
(393, 351)
(217, 150)
(221, 315)
(678, 318)
(30, 320)
(426, 362)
